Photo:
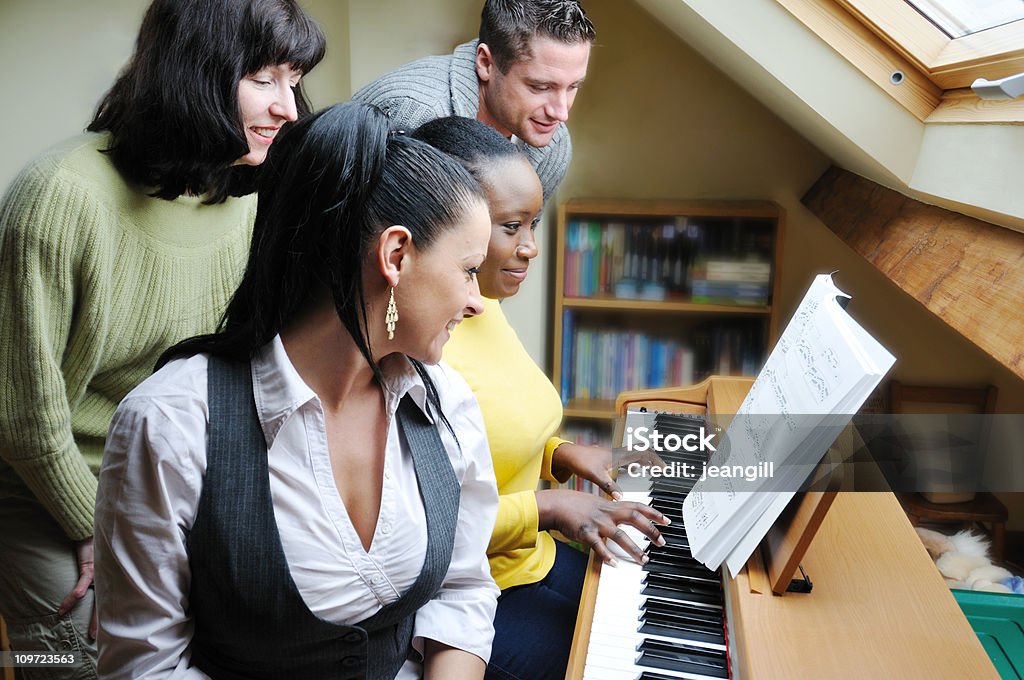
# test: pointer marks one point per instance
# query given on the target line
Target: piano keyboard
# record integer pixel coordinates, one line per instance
(665, 619)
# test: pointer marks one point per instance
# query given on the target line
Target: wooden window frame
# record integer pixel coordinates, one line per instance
(883, 37)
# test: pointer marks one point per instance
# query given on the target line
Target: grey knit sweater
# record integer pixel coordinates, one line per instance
(447, 85)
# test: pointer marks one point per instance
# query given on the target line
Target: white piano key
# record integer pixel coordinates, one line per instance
(611, 653)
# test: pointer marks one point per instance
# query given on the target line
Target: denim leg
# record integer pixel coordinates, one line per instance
(534, 623)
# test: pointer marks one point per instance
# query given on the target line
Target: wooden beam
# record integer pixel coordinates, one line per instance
(963, 270)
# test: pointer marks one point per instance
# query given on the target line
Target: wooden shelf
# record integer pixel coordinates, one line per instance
(641, 208)
(755, 226)
(672, 305)
(594, 409)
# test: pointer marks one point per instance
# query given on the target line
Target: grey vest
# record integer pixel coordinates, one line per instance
(250, 620)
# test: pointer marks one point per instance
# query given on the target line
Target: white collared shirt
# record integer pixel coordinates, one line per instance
(149, 490)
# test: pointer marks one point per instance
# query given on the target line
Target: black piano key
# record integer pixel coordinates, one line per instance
(671, 550)
(661, 566)
(674, 514)
(676, 527)
(649, 675)
(708, 614)
(683, 456)
(685, 624)
(678, 425)
(674, 539)
(683, 658)
(672, 511)
(667, 426)
(683, 627)
(660, 578)
(672, 533)
(684, 584)
(676, 591)
(675, 545)
(679, 422)
(681, 486)
(695, 460)
(682, 631)
(687, 476)
(667, 498)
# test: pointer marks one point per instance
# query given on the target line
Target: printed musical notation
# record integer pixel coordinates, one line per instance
(822, 369)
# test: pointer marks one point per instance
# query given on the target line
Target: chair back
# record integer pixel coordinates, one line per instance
(954, 446)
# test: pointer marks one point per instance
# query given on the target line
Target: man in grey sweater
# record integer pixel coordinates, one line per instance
(520, 77)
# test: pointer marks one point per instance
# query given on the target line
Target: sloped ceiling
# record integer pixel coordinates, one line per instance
(972, 169)
(963, 270)
(959, 260)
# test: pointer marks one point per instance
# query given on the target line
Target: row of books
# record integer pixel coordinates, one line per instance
(604, 363)
(719, 280)
(655, 260)
(601, 363)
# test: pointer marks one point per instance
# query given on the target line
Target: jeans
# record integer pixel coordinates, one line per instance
(39, 569)
(534, 623)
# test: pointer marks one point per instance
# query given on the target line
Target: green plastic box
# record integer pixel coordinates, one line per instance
(998, 619)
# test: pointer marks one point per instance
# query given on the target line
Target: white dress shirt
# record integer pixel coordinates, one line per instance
(152, 476)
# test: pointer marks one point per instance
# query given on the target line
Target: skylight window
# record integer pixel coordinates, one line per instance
(957, 18)
(926, 54)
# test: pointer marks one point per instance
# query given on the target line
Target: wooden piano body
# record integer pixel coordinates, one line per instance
(879, 608)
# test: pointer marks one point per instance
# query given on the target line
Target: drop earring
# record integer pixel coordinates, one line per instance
(391, 317)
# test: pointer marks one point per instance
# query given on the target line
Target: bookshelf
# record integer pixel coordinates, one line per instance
(655, 294)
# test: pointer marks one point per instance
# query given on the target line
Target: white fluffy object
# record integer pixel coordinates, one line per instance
(967, 543)
(963, 561)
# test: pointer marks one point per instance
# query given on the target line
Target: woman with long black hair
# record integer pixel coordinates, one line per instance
(540, 578)
(113, 246)
(303, 492)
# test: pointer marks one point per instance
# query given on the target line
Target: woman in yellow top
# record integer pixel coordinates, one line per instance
(540, 578)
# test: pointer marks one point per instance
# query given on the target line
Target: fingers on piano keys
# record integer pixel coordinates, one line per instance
(663, 620)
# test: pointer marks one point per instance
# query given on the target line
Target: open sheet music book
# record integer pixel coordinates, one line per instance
(821, 371)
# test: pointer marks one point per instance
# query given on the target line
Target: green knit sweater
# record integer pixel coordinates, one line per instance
(97, 279)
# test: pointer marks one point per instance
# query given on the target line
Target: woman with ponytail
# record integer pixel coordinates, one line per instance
(305, 492)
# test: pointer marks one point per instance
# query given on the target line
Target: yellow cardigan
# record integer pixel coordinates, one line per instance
(522, 412)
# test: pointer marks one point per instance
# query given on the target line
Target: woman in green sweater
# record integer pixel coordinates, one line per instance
(113, 246)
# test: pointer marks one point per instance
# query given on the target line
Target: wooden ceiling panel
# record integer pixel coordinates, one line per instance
(968, 272)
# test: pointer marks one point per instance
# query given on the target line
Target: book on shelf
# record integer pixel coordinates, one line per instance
(568, 340)
(731, 281)
(605, 363)
(599, 363)
(657, 259)
(824, 366)
(730, 292)
(747, 269)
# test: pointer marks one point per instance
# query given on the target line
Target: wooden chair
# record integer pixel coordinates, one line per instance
(984, 508)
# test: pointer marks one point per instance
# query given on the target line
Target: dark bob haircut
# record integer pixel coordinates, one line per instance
(473, 142)
(173, 112)
(331, 184)
(507, 26)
